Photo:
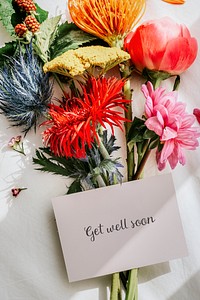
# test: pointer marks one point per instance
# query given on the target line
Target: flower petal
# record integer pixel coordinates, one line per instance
(154, 125)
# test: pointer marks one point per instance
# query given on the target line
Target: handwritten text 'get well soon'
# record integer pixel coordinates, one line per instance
(123, 224)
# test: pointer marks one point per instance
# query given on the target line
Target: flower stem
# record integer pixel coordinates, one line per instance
(123, 279)
(132, 282)
(115, 287)
(176, 83)
(132, 293)
(130, 164)
(102, 148)
(143, 161)
(125, 73)
(59, 83)
(128, 96)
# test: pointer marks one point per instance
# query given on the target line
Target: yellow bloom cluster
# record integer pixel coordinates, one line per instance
(76, 62)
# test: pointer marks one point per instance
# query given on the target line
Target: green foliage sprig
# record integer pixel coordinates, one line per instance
(85, 171)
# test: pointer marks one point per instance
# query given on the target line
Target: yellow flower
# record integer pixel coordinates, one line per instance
(110, 20)
(76, 62)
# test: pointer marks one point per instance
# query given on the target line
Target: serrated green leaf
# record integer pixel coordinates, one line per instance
(46, 165)
(6, 12)
(108, 165)
(85, 170)
(69, 167)
(75, 187)
(109, 143)
(42, 14)
(69, 36)
(45, 37)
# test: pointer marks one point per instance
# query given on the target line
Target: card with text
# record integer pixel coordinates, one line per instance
(119, 227)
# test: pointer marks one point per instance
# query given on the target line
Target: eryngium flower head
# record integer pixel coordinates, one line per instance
(110, 20)
(73, 124)
(25, 91)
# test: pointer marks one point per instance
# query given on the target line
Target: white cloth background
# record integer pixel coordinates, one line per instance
(31, 261)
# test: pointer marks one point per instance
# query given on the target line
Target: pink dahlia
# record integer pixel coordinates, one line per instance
(169, 120)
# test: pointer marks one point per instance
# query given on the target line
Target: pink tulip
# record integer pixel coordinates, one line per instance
(162, 45)
(169, 120)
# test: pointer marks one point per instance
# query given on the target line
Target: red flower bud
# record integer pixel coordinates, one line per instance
(162, 45)
(196, 112)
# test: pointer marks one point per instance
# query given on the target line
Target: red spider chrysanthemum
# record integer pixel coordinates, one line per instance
(74, 122)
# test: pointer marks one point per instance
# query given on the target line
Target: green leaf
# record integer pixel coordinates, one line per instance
(6, 12)
(109, 165)
(75, 187)
(69, 167)
(136, 130)
(69, 36)
(42, 14)
(8, 49)
(17, 18)
(83, 170)
(47, 165)
(45, 37)
(149, 134)
(153, 76)
(109, 143)
(154, 143)
(131, 145)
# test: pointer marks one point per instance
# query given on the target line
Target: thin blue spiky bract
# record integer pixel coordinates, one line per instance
(25, 91)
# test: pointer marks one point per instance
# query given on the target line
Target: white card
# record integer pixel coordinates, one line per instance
(119, 227)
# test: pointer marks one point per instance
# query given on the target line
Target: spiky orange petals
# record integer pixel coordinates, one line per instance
(175, 1)
(110, 20)
(73, 124)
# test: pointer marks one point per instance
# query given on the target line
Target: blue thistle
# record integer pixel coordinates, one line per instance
(25, 91)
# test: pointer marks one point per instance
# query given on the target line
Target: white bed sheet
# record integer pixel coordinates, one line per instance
(31, 261)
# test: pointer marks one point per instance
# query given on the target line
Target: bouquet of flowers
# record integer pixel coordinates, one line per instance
(78, 57)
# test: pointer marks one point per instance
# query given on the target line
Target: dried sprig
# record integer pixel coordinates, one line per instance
(25, 91)
(16, 190)
(16, 144)
(85, 59)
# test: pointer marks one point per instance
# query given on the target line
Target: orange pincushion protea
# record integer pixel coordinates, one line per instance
(110, 20)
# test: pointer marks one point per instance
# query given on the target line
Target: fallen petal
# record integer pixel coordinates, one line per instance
(174, 1)
(16, 191)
